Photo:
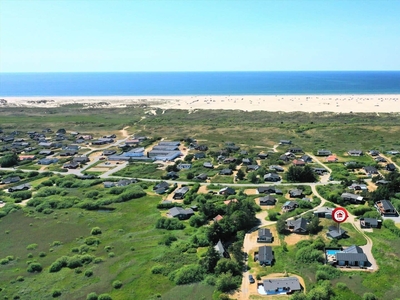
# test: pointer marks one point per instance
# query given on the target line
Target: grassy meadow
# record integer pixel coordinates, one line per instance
(130, 247)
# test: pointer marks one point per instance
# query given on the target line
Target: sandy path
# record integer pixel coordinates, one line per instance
(389, 160)
(319, 162)
(124, 132)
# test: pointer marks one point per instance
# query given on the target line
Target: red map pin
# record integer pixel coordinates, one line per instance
(339, 215)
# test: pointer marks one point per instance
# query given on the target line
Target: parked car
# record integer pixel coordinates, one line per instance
(251, 279)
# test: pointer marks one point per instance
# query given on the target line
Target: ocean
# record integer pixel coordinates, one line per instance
(198, 83)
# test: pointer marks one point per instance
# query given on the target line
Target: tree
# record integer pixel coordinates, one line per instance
(189, 157)
(252, 177)
(298, 296)
(240, 174)
(300, 174)
(313, 227)
(281, 226)
(210, 260)
(190, 175)
(226, 265)
(226, 282)
(197, 221)
(9, 160)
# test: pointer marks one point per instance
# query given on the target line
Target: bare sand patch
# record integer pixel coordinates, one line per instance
(250, 191)
(286, 103)
(202, 190)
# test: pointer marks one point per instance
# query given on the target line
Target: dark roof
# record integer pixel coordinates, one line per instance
(292, 283)
(202, 176)
(291, 204)
(370, 221)
(295, 193)
(225, 172)
(176, 211)
(162, 184)
(267, 198)
(272, 177)
(351, 196)
(352, 249)
(266, 189)
(11, 179)
(182, 190)
(300, 223)
(387, 205)
(199, 155)
(370, 169)
(264, 232)
(227, 190)
(334, 233)
(351, 256)
(265, 253)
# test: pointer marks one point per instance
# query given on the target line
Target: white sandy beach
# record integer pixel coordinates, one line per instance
(284, 103)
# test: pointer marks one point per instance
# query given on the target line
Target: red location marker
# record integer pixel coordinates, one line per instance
(339, 215)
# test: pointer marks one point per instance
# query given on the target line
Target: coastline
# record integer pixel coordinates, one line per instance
(357, 103)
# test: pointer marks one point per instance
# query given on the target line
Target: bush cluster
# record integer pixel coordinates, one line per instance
(169, 224)
(70, 262)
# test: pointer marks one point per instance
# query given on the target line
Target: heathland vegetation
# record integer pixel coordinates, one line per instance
(84, 240)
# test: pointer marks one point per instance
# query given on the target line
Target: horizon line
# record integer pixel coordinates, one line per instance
(249, 71)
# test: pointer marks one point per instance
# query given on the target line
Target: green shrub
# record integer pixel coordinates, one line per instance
(95, 231)
(92, 296)
(187, 274)
(58, 264)
(341, 286)
(42, 254)
(56, 293)
(74, 262)
(92, 194)
(88, 273)
(104, 297)
(210, 280)
(117, 284)
(32, 247)
(20, 278)
(34, 267)
(169, 224)
(4, 261)
(92, 241)
(157, 269)
(30, 255)
(369, 296)
(111, 254)
(98, 260)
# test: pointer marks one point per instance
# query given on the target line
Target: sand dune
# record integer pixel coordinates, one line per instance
(285, 103)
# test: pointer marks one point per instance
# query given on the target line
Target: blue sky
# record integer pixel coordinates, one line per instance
(198, 35)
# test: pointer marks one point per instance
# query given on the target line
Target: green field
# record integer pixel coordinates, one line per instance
(58, 221)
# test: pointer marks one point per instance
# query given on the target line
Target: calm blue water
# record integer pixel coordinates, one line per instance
(198, 83)
(332, 252)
